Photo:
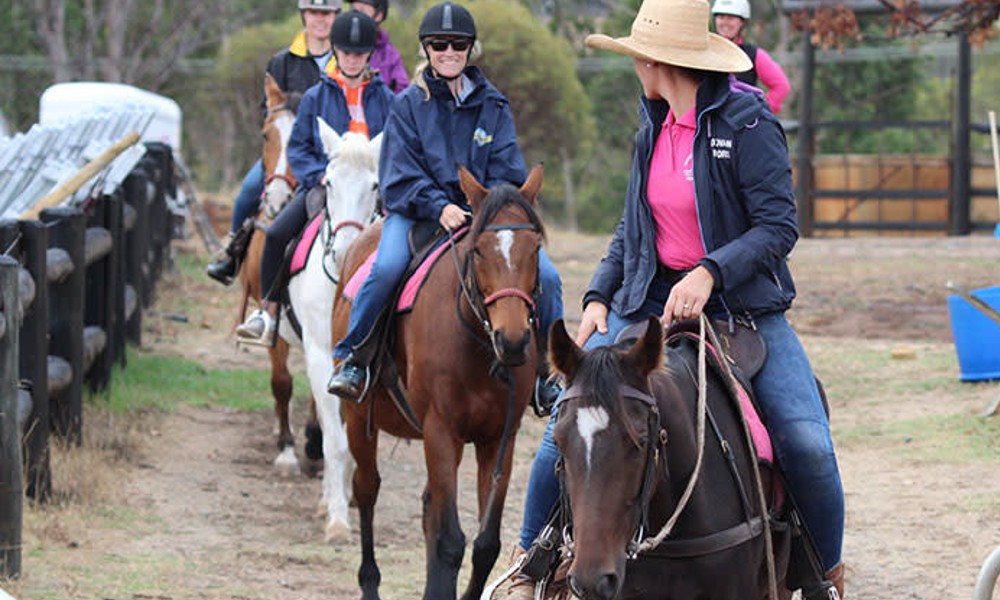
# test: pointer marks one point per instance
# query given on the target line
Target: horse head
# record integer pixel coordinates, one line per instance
(506, 236)
(609, 436)
(351, 185)
(279, 182)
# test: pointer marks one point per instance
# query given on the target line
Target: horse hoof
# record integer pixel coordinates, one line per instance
(321, 509)
(287, 465)
(337, 532)
(312, 469)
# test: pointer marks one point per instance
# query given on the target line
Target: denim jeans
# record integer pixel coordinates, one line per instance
(389, 267)
(248, 199)
(285, 227)
(786, 392)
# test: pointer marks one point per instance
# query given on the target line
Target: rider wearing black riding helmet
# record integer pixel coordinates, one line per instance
(294, 69)
(418, 177)
(385, 58)
(351, 97)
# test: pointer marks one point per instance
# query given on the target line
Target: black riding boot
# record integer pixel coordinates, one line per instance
(225, 268)
(547, 388)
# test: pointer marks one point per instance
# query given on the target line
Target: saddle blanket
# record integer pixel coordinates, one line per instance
(302, 247)
(409, 294)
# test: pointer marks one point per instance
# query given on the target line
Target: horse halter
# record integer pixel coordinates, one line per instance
(657, 437)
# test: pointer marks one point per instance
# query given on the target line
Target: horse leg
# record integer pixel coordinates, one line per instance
(491, 493)
(442, 529)
(366, 481)
(286, 463)
(314, 434)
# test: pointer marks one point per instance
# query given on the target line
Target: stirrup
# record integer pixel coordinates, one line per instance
(266, 337)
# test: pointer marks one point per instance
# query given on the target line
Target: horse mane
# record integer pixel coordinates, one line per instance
(499, 198)
(355, 152)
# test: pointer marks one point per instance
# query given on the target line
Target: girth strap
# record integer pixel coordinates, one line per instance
(708, 544)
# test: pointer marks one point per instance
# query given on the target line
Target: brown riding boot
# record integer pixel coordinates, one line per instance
(521, 587)
(836, 577)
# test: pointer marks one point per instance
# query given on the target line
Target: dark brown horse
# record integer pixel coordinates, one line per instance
(646, 521)
(279, 187)
(463, 327)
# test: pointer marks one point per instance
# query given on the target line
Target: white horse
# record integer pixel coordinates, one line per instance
(351, 198)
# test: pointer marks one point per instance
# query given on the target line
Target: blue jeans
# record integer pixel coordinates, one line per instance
(389, 267)
(248, 199)
(791, 407)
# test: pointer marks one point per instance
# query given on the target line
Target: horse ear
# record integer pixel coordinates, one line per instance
(564, 354)
(647, 353)
(533, 185)
(275, 97)
(330, 138)
(474, 191)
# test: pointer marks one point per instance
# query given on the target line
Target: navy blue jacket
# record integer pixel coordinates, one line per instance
(744, 200)
(326, 99)
(425, 140)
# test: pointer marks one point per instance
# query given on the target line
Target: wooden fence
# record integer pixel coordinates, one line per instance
(73, 283)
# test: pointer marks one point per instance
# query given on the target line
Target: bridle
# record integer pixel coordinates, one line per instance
(270, 177)
(475, 299)
(656, 448)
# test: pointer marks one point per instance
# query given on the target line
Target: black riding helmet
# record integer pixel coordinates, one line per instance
(447, 19)
(381, 6)
(353, 31)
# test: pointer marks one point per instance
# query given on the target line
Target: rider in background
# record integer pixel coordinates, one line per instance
(418, 177)
(385, 59)
(352, 98)
(731, 18)
(295, 69)
(708, 224)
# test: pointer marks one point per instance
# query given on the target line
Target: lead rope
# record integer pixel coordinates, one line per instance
(772, 576)
(650, 543)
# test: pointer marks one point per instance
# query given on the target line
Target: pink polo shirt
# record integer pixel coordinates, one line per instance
(670, 192)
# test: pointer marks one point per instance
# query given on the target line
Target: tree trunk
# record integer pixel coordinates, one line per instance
(568, 192)
(50, 23)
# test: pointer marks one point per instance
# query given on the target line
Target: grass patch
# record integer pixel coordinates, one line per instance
(939, 438)
(160, 382)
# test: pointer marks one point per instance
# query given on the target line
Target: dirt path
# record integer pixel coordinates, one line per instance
(196, 512)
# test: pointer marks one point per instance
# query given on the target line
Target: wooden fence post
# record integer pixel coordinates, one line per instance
(137, 195)
(11, 487)
(34, 361)
(66, 306)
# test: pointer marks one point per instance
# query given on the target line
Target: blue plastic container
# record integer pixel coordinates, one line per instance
(977, 337)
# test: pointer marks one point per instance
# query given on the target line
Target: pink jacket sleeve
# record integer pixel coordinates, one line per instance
(774, 79)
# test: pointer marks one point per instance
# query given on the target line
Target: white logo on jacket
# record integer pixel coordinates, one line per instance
(721, 148)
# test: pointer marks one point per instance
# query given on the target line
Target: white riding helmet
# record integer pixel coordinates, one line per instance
(324, 5)
(739, 8)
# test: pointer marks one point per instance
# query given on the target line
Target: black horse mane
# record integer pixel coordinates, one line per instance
(499, 198)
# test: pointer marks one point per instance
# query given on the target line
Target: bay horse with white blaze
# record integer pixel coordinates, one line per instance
(466, 323)
(652, 443)
(351, 199)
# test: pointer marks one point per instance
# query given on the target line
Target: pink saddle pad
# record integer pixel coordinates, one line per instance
(301, 253)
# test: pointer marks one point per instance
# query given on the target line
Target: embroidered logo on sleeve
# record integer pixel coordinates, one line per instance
(481, 137)
(722, 148)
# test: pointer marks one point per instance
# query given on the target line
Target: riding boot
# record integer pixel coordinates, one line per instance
(832, 587)
(227, 264)
(547, 387)
(522, 587)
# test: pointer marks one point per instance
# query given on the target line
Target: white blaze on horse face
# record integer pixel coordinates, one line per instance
(505, 242)
(590, 421)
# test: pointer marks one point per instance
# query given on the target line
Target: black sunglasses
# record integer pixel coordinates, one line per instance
(459, 45)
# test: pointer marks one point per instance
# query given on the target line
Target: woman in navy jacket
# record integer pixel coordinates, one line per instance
(350, 98)
(708, 224)
(451, 115)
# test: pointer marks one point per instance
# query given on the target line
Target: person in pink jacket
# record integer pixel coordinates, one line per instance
(730, 18)
(385, 59)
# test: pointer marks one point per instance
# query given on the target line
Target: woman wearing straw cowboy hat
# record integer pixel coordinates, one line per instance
(708, 223)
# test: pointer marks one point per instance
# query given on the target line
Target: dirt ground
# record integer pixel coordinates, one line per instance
(198, 512)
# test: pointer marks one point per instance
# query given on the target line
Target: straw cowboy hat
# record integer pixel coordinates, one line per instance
(676, 32)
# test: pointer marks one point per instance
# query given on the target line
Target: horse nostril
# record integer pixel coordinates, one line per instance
(574, 586)
(607, 587)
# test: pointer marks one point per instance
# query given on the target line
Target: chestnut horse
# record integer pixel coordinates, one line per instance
(466, 323)
(637, 461)
(351, 198)
(279, 186)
